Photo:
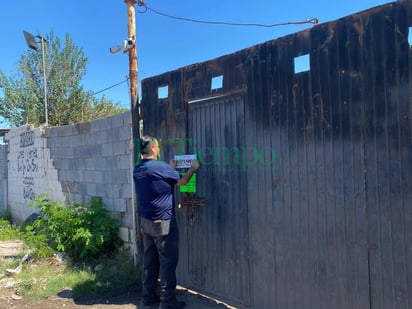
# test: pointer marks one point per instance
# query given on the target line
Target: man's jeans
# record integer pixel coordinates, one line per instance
(160, 243)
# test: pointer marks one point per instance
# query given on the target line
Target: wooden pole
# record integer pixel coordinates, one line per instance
(133, 76)
(134, 106)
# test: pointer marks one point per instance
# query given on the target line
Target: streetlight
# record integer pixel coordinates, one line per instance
(32, 43)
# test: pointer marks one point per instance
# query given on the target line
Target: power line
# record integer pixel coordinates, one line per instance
(307, 21)
(115, 85)
(143, 4)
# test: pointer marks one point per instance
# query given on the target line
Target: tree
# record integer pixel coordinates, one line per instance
(67, 101)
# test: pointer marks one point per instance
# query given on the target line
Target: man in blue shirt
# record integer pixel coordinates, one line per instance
(154, 182)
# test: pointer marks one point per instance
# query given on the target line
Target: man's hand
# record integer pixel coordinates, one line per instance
(195, 165)
(186, 177)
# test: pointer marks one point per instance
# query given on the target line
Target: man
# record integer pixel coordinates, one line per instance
(154, 183)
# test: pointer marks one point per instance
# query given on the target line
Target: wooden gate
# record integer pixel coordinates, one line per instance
(306, 175)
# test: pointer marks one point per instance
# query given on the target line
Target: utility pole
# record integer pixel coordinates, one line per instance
(133, 77)
(134, 108)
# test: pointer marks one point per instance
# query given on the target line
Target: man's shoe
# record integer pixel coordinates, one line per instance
(150, 301)
(174, 305)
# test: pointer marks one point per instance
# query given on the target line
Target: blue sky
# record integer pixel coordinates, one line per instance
(163, 44)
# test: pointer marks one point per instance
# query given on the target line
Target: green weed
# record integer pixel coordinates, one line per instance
(86, 235)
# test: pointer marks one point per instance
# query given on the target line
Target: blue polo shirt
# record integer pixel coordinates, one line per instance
(154, 183)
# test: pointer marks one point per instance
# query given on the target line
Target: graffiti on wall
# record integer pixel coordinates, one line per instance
(27, 163)
(26, 139)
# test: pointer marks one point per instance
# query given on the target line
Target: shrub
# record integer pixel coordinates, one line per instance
(6, 215)
(8, 231)
(82, 231)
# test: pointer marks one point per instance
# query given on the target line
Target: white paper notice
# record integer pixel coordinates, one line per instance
(184, 161)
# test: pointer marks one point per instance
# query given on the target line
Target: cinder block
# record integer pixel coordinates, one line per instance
(90, 163)
(99, 177)
(87, 139)
(95, 126)
(69, 186)
(125, 234)
(62, 152)
(74, 141)
(128, 219)
(82, 188)
(65, 131)
(51, 142)
(82, 128)
(77, 198)
(87, 151)
(107, 149)
(89, 176)
(120, 148)
(52, 132)
(121, 176)
(126, 190)
(117, 121)
(108, 202)
(91, 189)
(105, 163)
(61, 164)
(125, 132)
(99, 137)
(125, 162)
(101, 124)
(103, 190)
(119, 205)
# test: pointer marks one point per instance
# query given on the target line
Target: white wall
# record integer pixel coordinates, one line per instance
(30, 171)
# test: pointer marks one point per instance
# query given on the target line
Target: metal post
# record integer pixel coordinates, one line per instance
(32, 43)
(44, 82)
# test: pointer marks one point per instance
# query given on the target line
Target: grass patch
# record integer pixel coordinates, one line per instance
(45, 274)
(109, 277)
(42, 279)
(9, 231)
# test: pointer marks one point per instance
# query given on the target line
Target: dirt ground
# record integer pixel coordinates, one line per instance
(127, 300)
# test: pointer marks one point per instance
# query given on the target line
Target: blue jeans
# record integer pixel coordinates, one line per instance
(160, 257)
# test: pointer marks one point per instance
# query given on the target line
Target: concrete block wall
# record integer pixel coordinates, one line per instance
(30, 171)
(94, 159)
(74, 163)
(3, 178)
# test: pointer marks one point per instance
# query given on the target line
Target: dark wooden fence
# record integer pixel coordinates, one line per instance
(306, 173)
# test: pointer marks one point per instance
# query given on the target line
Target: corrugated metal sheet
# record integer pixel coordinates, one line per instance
(306, 177)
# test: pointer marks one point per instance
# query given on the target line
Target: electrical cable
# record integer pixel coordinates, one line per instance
(146, 8)
(97, 92)
(307, 21)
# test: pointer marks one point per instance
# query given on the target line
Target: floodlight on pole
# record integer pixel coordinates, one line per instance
(32, 43)
(125, 47)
